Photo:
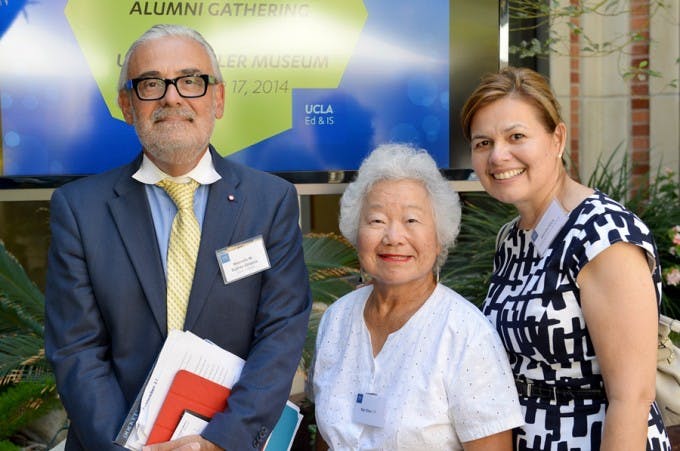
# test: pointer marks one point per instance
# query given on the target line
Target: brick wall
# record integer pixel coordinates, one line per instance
(639, 95)
(574, 94)
(638, 142)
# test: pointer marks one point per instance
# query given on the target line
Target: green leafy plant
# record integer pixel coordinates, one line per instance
(333, 269)
(562, 21)
(25, 402)
(470, 264)
(27, 388)
(6, 445)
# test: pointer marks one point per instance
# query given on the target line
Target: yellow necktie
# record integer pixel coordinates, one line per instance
(185, 237)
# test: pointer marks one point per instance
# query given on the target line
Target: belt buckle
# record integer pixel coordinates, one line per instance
(553, 392)
(529, 385)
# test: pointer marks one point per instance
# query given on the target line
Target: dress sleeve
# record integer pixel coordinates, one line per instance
(608, 228)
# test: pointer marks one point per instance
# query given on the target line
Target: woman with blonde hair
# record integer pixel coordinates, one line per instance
(576, 284)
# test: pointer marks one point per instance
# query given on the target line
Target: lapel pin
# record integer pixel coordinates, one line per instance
(230, 197)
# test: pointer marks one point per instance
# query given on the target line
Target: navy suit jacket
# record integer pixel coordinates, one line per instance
(106, 300)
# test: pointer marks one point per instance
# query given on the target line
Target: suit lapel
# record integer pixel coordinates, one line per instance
(131, 213)
(225, 200)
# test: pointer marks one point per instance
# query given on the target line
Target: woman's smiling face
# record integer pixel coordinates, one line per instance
(516, 159)
(397, 240)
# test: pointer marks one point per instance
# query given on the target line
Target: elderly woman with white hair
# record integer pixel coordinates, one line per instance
(404, 362)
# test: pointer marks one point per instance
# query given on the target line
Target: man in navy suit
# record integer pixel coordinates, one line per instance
(106, 284)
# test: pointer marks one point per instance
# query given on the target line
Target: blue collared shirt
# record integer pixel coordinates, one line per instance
(163, 209)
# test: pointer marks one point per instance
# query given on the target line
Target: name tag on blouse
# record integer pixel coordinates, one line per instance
(548, 227)
(369, 409)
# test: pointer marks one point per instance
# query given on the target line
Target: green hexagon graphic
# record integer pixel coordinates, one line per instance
(265, 50)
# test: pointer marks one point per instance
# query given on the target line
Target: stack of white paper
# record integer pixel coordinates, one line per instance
(182, 350)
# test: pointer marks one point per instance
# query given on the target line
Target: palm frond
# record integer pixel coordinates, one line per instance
(470, 263)
(25, 300)
(310, 339)
(333, 269)
(328, 291)
(328, 250)
(22, 358)
(22, 354)
(15, 316)
(332, 264)
(25, 402)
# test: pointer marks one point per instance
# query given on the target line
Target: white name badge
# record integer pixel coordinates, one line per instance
(369, 409)
(548, 227)
(243, 259)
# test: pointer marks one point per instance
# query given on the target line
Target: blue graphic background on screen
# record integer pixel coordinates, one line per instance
(55, 122)
(9, 12)
(402, 98)
(54, 119)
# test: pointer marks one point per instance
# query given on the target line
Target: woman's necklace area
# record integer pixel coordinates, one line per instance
(397, 315)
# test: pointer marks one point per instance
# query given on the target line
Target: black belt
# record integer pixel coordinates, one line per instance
(537, 389)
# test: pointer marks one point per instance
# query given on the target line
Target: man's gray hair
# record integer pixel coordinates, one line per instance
(165, 30)
(403, 162)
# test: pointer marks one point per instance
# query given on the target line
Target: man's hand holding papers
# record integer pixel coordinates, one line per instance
(181, 351)
(188, 443)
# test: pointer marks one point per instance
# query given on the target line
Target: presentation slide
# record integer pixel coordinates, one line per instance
(310, 85)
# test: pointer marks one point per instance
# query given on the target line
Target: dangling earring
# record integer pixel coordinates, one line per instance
(437, 276)
(364, 278)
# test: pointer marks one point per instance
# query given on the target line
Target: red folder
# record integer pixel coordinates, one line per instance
(188, 391)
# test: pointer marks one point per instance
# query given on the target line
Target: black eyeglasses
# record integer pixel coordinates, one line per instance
(188, 86)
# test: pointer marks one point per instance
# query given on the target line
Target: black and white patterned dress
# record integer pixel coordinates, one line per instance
(534, 303)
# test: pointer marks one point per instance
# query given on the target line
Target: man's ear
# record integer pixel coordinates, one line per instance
(125, 104)
(219, 100)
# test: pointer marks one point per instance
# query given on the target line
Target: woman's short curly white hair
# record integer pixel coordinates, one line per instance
(403, 162)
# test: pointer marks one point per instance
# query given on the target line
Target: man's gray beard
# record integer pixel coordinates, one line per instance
(172, 151)
(175, 152)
